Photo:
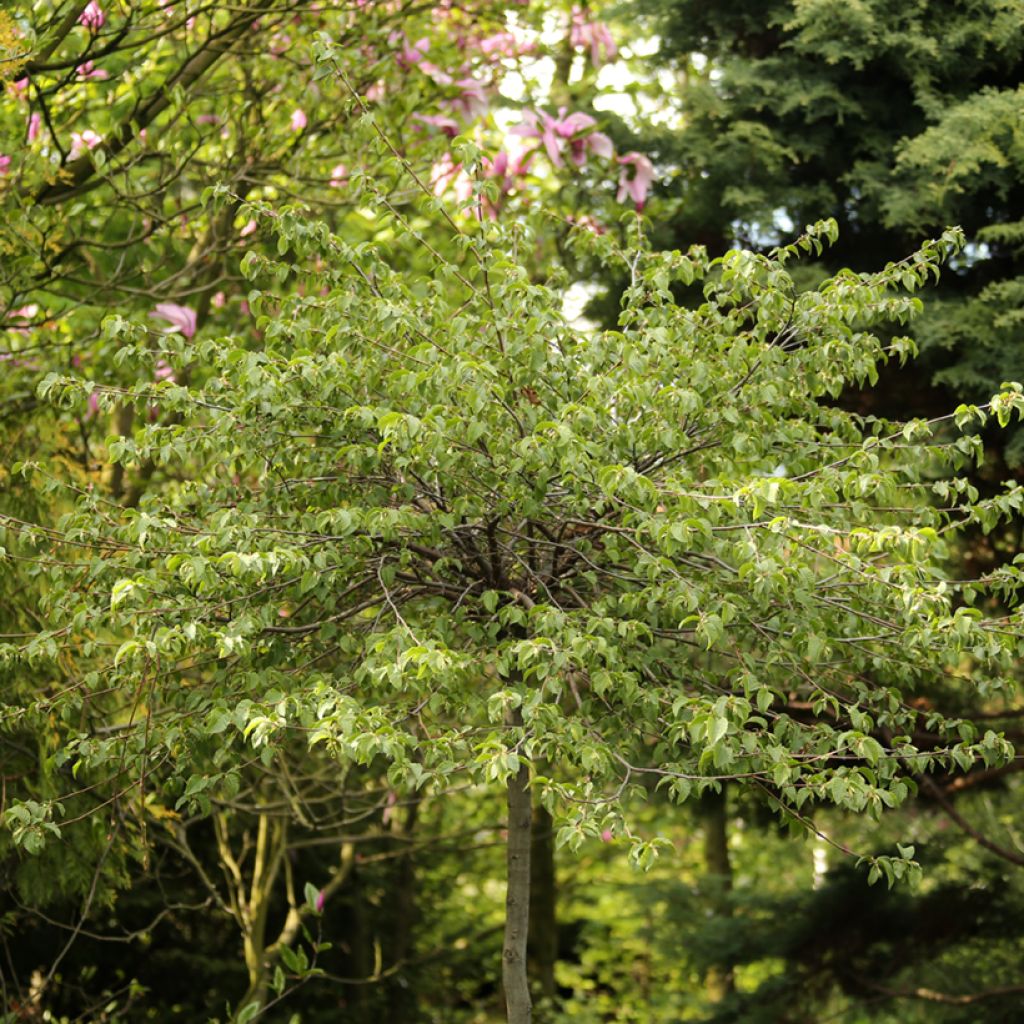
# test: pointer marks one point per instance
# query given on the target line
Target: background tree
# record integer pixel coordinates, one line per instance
(894, 120)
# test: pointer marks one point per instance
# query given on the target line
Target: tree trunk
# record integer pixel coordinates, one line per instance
(517, 900)
(714, 808)
(543, 941)
(401, 995)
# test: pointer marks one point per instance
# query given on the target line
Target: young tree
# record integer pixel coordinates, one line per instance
(426, 523)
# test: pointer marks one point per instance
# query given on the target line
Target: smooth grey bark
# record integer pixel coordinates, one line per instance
(517, 901)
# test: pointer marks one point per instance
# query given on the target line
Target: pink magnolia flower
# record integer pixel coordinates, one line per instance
(434, 72)
(82, 141)
(298, 121)
(93, 405)
(556, 133)
(472, 100)
(606, 835)
(410, 53)
(376, 92)
(19, 87)
(89, 70)
(504, 44)
(33, 127)
(218, 300)
(447, 174)
(163, 369)
(181, 318)
(639, 184)
(92, 17)
(5, 162)
(508, 165)
(588, 223)
(248, 228)
(446, 125)
(321, 898)
(21, 316)
(592, 35)
(443, 173)
(339, 175)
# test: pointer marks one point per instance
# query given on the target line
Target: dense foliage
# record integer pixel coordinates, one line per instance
(380, 640)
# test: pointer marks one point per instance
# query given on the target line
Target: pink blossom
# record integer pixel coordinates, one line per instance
(376, 92)
(588, 223)
(508, 164)
(22, 314)
(339, 175)
(447, 174)
(581, 141)
(5, 162)
(181, 318)
(248, 229)
(442, 173)
(504, 44)
(434, 72)
(541, 127)
(447, 125)
(163, 370)
(321, 898)
(410, 53)
(19, 87)
(92, 17)
(208, 119)
(82, 141)
(218, 300)
(33, 127)
(606, 836)
(637, 186)
(555, 133)
(506, 167)
(594, 35)
(93, 405)
(89, 70)
(472, 100)
(298, 121)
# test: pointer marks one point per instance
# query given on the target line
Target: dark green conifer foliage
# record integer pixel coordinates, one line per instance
(893, 118)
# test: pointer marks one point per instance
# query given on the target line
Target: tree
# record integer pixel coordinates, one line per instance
(894, 120)
(427, 525)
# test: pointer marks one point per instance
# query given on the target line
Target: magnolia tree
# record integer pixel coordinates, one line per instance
(426, 523)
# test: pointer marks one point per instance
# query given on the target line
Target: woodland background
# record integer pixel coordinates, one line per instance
(154, 159)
